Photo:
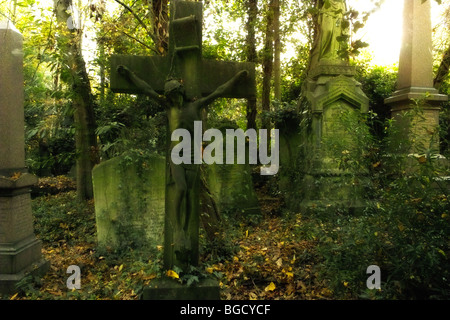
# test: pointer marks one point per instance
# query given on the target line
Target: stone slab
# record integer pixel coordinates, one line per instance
(404, 98)
(24, 180)
(129, 203)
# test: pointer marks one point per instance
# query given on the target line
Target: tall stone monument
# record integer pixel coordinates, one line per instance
(415, 81)
(335, 99)
(20, 251)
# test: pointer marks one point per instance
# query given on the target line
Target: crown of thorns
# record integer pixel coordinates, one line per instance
(172, 85)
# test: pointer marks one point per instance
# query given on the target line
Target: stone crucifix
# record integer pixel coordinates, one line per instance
(184, 84)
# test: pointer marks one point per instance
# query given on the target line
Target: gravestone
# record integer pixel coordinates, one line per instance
(231, 185)
(415, 82)
(129, 204)
(335, 100)
(20, 251)
(185, 84)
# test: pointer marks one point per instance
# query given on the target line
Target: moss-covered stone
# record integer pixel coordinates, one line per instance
(129, 202)
(231, 185)
(232, 188)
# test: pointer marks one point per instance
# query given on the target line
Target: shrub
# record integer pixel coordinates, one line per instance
(62, 217)
(404, 228)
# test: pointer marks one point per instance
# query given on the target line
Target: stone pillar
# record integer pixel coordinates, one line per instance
(20, 251)
(415, 104)
(12, 151)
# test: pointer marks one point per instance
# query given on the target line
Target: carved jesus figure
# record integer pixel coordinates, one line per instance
(181, 113)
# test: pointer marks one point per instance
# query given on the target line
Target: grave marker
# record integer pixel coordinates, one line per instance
(415, 81)
(20, 251)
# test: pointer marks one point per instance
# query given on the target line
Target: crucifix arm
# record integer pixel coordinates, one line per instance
(138, 82)
(224, 88)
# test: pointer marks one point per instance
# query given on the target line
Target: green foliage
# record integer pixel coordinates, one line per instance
(49, 138)
(285, 116)
(378, 83)
(404, 228)
(294, 74)
(126, 123)
(62, 218)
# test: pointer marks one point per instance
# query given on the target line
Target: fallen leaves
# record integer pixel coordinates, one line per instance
(172, 274)
(16, 176)
(271, 264)
(270, 287)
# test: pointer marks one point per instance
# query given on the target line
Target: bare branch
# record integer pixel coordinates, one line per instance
(147, 46)
(139, 20)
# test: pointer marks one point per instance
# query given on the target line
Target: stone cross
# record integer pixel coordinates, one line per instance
(20, 251)
(415, 75)
(184, 83)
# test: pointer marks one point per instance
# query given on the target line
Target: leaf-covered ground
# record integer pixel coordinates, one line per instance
(265, 260)
(271, 264)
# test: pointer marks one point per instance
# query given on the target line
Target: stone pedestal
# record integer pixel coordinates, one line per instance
(416, 114)
(336, 100)
(20, 251)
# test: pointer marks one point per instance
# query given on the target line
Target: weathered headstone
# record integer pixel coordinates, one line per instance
(415, 81)
(335, 99)
(184, 83)
(231, 185)
(129, 204)
(20, 251)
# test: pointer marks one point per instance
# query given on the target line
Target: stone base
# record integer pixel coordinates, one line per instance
(8, 282)
(168, 289)
(20, 250)
(406, 96)
(15, 257)
(18, 261)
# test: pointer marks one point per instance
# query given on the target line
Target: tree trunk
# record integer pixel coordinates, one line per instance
(69, 41)
(267, 64)
(277, 51)
(101, 53)
(159, 9)
(443, 70)
(441, 75)
(252, 12)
